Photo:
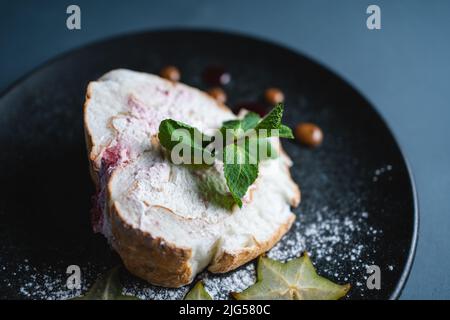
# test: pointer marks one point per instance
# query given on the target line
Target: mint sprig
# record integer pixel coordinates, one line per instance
(175, 134)
(242, 140)
(239, 172)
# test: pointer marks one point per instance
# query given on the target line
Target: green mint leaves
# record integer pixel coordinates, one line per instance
(213, 187)
(273, 119)
(239, 173)
(272, 122)
(249, 121)
(189, 141)
(241, 144)
(285, 132)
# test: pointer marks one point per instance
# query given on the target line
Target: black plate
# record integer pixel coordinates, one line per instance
(358, 199)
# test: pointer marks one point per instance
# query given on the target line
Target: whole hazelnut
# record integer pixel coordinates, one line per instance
(273, 96)
(309, 134)
(170, 73)
(218, 94)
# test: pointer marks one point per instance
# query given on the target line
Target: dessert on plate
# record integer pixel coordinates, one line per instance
(162, 218)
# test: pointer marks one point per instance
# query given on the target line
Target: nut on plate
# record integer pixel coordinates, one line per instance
(273, 96)
(170, 73)
(218, 94)
(309, 134)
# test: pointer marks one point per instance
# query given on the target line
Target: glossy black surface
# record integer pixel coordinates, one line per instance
(46, 189)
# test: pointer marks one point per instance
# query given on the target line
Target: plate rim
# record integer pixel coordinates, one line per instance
(396, 294)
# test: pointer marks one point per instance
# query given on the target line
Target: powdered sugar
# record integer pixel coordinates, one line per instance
(380, 172)
(44, 284)
(331, 239)
(322, 235)
(220, 286)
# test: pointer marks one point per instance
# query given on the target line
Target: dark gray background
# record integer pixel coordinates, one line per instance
(403, 69)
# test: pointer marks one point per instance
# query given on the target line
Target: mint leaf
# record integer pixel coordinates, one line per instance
(214, 188)
(168, 127)
(240, 126)
(241, 151)
(273, 119)
(285, 132)
(266, 150)
(258, 149)
(250, 120)
(272, 124)
(186, 138)
(239, 172)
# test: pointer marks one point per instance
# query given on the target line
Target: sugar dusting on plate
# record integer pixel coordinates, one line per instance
(330, 238)
(44, 284)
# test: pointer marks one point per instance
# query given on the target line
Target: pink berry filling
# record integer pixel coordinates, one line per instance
(112, 157)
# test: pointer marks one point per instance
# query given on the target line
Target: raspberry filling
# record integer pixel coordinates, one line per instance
(111, 158)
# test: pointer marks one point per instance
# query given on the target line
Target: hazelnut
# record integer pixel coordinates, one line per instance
(170, 73)
(218, 94)
(273, 96)
(309, 134)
